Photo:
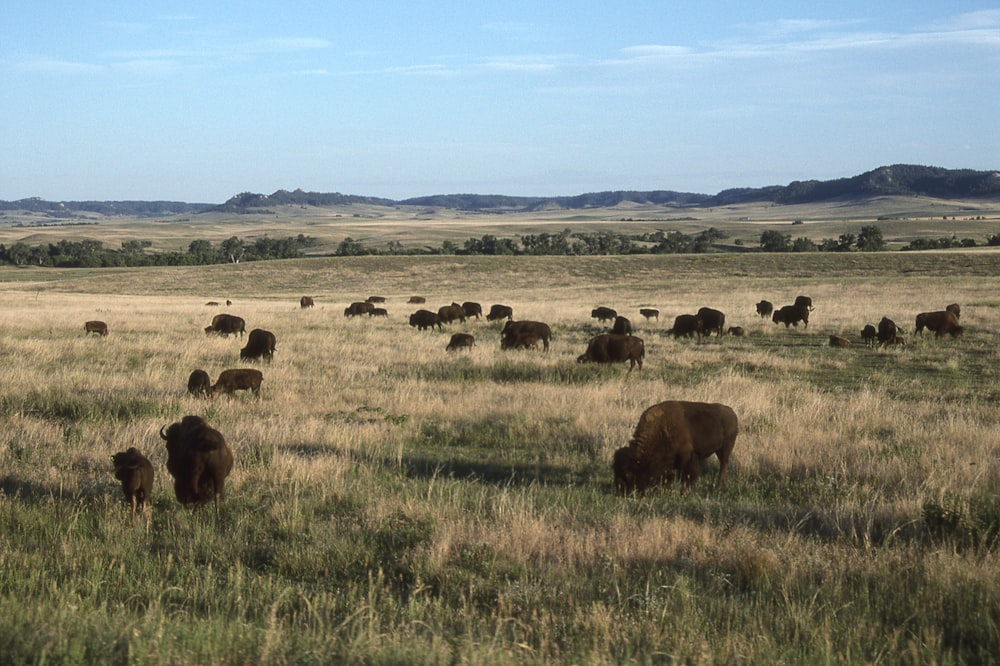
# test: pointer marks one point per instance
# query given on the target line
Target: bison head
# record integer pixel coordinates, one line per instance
(629, 476)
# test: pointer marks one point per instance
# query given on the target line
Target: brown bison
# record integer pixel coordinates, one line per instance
(260, 344)
(525, 334)
(711, 320)
(614, 348)
(622, 326)
(213, 304)
(358, 308)
(804, 302)
(199, 383)
(375, 299)
(95, 326)
(869, 334)
(136, 474)
(737, 331)
(424, 319)
(498, 311)
(941, 322)
(461, 341)
(379, 312)
(603, 314)
(226, 325)
(237, 379)
(791, 315)
(306, 302)
(650, 313)
(472, 309)
(765, 308)
(955, 309)
(674, 438)
(449, 313)
(837, 341)
(888, 332)
(417, 299)
(199, 459)
(685, 326)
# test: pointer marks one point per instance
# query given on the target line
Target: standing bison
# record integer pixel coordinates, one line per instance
(622, 326)
(199, 383)
(136, 474)
(941, 322)
(306, 302)
(686, 325)
(711, 320)
(237, 379)
(791, 315)
(461, 341)
(226, 325)
(650, 313)
(765, 308)
(199, 459)
(614, 348)
(804, 302)
(888, 332)
(472, 309)
(449, 313)
(358, 308)
(95, 326)
(525, 334)
(424, 319)
(498, 311)
(955, 309)
(603, 314)
(674, 438)
(869, 334)
(260, 344)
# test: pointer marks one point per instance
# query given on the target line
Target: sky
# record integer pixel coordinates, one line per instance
(199, 101)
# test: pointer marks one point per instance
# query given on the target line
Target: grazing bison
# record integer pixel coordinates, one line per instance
(136, 474)
(449, 313)
(237, 379)
(199, 383)
(888, 332)
(95, 326)
(358, 308)
(498, 311)
(837, 341)
(375, 299)
(226, 325)
(603, 314)
(461, 341)
(472, 309)
(379, 312)
(804, 302)
(955, 309)
(737, 331)
(686, 325)
(417, 299)
(199, 459)
(424, 319)
(650, 313)
(614, 348)
(765, 308)
(525, 334)
(711, 320)
(869, 335)
(260, 344)
(622, 326)
(675, 437)
(306, 302)
(941, 322)
(791, 314)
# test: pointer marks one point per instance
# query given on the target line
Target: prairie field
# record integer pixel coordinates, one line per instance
(392, 502)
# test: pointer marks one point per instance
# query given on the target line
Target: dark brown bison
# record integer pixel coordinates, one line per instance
(379, 312)
(737, 331)
(804, 302)
(237, 379)
(791, 315)
(765, 308)
(711, 320)
(199, 383)
(622, 326)
(940, 322)
(674, 438)
(650, 313)
(306, 302)
(424, 319)
(525, 334)
(837, 341)
(375, 299)
(136, 474)
(685, 326)
(869, 334)
(603, 314)
(955, 309)
(417, 299)
(199, 459)
(472, 309)
(888, 332)
(498, 312)
(358, 308)
(614, 348)
(461, 341)
(95, 326)
(449, 313)
(213, 304)
(226, 325)
(260, 344)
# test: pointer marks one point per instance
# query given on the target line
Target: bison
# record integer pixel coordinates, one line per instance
(226, 325)
(417, 299)
(765, 308)
(888, 332)
(737, 331)
(472, 309)
(837, 341)
(449, 313)
(603, 314)
(461, 341)
(358, 308)
(375, 299)
(199, 383)
(379, 312)
(136, 474)
(955, 309)
(711, 320)
(674, 438)
(498, 311)
(237, 379)
(869, 335)
(804, 302)
(424, 319)
(306, 302)
(614, 348)
(199, 459)
(791, 315)
(525, 334)
(260, 344)
(95, 326)
(622, 326)
(686, 325)
(650, 313)
(941, 322)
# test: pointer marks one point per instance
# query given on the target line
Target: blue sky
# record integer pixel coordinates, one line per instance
(198, 101)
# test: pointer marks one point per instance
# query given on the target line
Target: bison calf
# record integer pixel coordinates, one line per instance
(461, 341)
(199, 459)
(650, 313)
(199, 383)
(95, 326)
(306, 302)
(237, 379)
(136, 474)
(837, 341)
(869, 334)
(737, 331)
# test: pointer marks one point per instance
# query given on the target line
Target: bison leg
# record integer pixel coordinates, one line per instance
(723, 456)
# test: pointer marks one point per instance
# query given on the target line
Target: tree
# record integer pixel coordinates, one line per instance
(232, 249)
(803, 244)
(775, 241)
(845, 242)
(870, 239)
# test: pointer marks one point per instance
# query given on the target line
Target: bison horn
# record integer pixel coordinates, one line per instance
(162, 433)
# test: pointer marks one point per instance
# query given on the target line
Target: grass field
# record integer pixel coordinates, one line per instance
(394, 503)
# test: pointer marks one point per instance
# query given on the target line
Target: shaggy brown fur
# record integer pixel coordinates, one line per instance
(199, 459)
(136, 474)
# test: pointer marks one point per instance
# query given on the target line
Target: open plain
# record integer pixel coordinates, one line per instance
(396, 503)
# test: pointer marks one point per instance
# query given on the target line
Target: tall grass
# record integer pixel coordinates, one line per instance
(393, 502)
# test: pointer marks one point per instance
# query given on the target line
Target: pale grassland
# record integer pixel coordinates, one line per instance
(395, 503)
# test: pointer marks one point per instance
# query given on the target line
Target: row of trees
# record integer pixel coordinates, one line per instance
(868, 239)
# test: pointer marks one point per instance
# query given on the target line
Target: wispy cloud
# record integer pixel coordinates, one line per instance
(46, 65)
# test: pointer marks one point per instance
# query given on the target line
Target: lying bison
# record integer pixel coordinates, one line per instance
(260, 344)
(358, 308)
(941, 322)
(417, 299)
(615, 348)
(674, 438)
(199, 383)
(622, 326)
(136, 474)
(306, 302)
(711, 321)
(226, 325)
(791, 315)
(603, 314)
(95, 326)
(737, 331)
(237, 379)
(650, 313)
(461, 341)
(375, 299)
(685, 326)
(199, 459)
(525, 334)
(838, 341)
(424, 319)
(765, 308)
(498, 311)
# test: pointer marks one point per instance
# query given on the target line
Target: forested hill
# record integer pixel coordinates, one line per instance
(895, 180)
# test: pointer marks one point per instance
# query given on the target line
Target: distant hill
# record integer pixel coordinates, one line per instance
(895, 180)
